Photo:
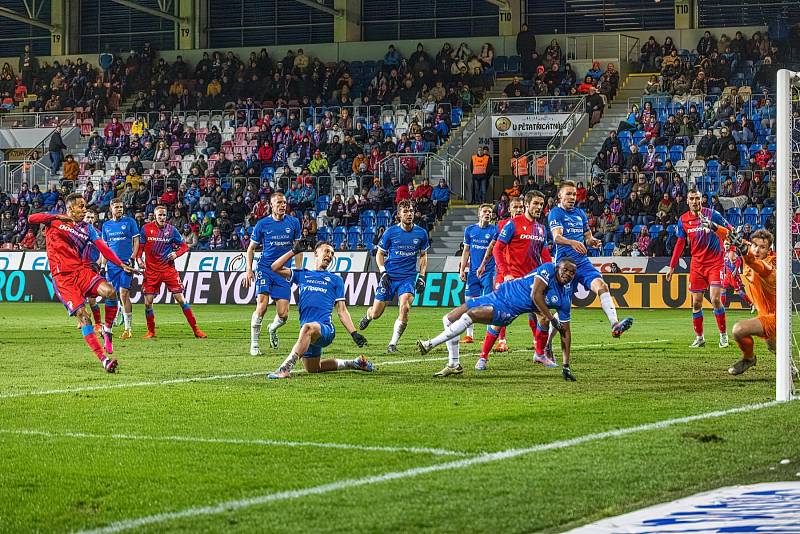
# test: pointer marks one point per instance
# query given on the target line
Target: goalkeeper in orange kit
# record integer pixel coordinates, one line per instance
(758, 276)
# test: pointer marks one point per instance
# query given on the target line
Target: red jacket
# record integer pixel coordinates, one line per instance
(763, 157)
(422, 191)
(265, 153)
(401, 194)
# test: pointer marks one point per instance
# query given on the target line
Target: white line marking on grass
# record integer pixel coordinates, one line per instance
(232, 505)
(610, 344)
(235, 441)
(100, 387)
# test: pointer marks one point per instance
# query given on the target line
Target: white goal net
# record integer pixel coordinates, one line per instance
(787, 245)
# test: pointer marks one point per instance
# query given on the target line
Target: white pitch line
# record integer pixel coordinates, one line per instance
(239, 504)
(100, 387)
(234, 441)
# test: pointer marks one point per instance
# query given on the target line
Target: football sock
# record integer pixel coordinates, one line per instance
(746, 346)
(446, 323)
(255, 328)
(343, 364)
(608, 307)
(697, 320)
(453, 356)
(187, 312)
(399, 328)
(502, 333)
(95, 312)
(533, 324)
(277, 322)
(452, 331)
(150, 318)
(719, 315)
(540, 336)
(289, 362)
(470, 330)
(488, 341)
(111, 312)
(128, 319)
(91, 339)
(724, 298)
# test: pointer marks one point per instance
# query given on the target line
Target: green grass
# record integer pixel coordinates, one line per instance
(71, 473)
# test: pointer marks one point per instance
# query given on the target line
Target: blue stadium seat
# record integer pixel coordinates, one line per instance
(765, 213)
(514, 64)
(384, 218)
(637, 229)
(750, 216)
(608, 249)
(638, 136)
(671, 229)
(339, 236)
(593, 252)
(734, 216)
(676, 153)
(624, 138)
(323, 202)
(712, 169)
(353, 237)
(456, 115)
(367, 218)
(323, 233)
(367, 237)
(501, 65)
(654, 230)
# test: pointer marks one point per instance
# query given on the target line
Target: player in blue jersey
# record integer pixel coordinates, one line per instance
(396, 257)
(549, 286)
(121, 233)
(276, 234)
(477, 238)
(320, 292)
(571, 235)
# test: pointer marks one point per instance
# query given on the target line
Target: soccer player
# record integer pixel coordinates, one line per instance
(122, 235)
(549, 286)
(396, 257)
(94, 262)
(69, 241)
(515, 207)
(522, 247)
(732, 278)
(276, 234)
(162, 244)
(758, 276)
(571, 234)
(706, 230)
(476, 240)
(320, 292)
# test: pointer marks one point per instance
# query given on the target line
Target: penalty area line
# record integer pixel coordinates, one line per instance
(240, 504)
(233, 441)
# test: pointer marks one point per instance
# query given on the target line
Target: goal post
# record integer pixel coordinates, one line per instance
(787, 143)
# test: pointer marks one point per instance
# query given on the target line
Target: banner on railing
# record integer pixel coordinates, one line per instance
(606, 264)
(635, 291)
(530, 125)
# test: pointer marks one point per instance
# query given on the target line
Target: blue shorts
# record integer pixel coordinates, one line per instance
(479, 286)
(271, 283)
(502, 314)
(118, 278)
(397, 287)
(327, 333)
(585, 274)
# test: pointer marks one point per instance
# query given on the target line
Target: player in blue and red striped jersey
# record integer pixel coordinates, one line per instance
(706, 230)
(732, 278)
(70, 243)
(162, 244)
(522, 247)
(515, 207)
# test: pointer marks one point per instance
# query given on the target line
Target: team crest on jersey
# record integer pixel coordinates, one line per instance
(288, 230)
(327, 278)
(552, 299)
(416, 241)
(487, 236)
(124, 227)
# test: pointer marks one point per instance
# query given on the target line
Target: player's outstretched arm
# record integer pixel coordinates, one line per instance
(347, 322)
(249, 276)
(591, 240)
(464, 265)
(538, 293)
(680, 244)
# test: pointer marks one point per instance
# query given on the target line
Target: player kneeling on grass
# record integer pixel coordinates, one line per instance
(320, 292)
(69, 242)
(758, 277)
(549, 286)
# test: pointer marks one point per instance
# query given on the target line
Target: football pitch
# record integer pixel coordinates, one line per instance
(190, 437)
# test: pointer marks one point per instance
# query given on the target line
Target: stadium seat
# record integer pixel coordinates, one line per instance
(750, 216)
(323, 233)
(367, 218)
(676, 154)
(514, 65)
(339, 236)
(734, 216)
(654, 230)
(765, 214)
(608, 249)
(501, 65)
(384, 218)
(671, 229)
(353, 237)
(323, 202)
